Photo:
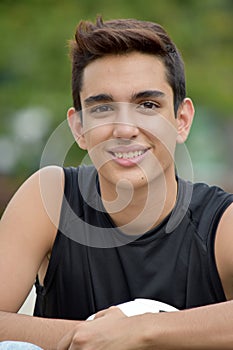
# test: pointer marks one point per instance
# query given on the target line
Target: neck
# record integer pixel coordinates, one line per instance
(137, 210)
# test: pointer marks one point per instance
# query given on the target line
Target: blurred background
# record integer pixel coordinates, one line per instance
(35, 80)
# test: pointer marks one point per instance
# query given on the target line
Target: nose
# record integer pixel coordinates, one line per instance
(125, 125)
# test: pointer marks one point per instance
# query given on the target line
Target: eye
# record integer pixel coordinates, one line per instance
(148, 105)
(148, 108)
(101, 109)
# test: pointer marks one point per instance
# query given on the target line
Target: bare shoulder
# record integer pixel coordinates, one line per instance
(39, 196)
(28, 228)
(224, 251)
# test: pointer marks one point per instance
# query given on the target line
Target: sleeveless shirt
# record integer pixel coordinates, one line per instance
(94, 265)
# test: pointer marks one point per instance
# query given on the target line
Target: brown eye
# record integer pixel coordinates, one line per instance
(101, 109)
(149, 105)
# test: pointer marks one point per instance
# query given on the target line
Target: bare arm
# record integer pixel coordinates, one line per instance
(27, 232)
(205, 328)
(43, 332)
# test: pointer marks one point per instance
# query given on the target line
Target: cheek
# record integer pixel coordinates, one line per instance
(91, 140)
(96, 142)
(161, 132)
(97, 135)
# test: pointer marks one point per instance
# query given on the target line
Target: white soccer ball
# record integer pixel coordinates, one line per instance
(140, 306)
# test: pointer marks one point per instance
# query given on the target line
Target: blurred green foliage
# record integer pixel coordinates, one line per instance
(35, 67)
(34, 64)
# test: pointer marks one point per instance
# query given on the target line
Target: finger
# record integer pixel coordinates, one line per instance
(111, 311)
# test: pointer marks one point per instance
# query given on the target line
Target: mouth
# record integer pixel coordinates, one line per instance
(128, 155)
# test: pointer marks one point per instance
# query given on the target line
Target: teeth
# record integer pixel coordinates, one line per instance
(128, 155)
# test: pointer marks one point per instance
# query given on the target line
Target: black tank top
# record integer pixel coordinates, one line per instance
(94, 265)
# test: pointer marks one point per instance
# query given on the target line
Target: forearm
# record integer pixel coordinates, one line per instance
(43, 332)
(205, 328)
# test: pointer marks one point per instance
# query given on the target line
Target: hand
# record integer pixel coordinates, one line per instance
(110, 330)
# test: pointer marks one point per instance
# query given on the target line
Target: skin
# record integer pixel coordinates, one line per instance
(27, 234)
(154, 129)
(28, 226)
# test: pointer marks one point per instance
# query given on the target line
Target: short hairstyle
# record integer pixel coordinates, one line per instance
(122, 36)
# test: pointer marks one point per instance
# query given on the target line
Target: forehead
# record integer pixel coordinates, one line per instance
(122, 75)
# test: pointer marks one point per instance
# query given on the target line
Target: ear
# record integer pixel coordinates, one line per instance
(75, 124)
(184, 119)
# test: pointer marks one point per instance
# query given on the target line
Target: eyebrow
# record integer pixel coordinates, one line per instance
(89, 101)
(97, 98)
(148, 94)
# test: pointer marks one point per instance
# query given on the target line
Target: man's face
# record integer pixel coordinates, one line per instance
(129, 127)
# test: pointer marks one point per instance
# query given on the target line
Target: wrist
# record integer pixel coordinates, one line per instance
(157, 330)
(147, 330)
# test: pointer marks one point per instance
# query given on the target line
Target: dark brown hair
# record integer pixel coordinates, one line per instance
(122, 36)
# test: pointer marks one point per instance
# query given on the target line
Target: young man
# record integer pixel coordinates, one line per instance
(128, 227)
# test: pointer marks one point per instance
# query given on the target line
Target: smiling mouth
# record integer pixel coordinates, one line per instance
(128, 155)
